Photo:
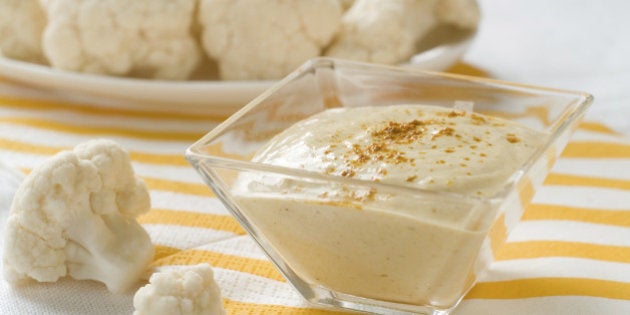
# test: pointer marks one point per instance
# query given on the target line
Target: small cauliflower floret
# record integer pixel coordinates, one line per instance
(188, 290)
(140, 38)
(383, 31)
(75, 215)
(21, 26)
(266, 39)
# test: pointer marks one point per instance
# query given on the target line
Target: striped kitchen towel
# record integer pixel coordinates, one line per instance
(569, 255)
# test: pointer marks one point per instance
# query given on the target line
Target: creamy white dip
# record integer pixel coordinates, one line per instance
(382, 243)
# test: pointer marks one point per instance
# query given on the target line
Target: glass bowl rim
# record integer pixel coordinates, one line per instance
(193, 152)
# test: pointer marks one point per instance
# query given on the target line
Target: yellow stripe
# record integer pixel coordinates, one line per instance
(164, 251)
(47, 105)
(467, 69)
(242, 308)
(497, 234)
(576, 180)
(596, 127)
(525, 192)
(104, 131)
(149, 158)
(552, 156)
(23, 147)
(178, 187)
(540, 287)
(598, 216)
(591, 149)
(258, 267)
(192, 219)
(538, 249)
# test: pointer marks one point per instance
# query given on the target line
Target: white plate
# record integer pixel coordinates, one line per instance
(211, 97)
(208, 97)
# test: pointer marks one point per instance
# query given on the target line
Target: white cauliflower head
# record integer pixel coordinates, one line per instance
(266, 39)
(382, 31)
(75, 215)
(389, 31)
(21, 26)
(140, 38)
(189, 290)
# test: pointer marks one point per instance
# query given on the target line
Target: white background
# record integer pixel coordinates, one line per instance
(570, 44)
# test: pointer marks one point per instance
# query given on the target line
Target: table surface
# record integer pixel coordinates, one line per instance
(570, 255)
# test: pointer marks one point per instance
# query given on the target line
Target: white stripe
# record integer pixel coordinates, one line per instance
(176, 173)
(248, 288)
(184, 237)
(585, 135)
(52, 138)
(66, 296)
(548, 230)
(91, 120)
(557, 267)
(606, 168)
(556, 305)
(584, 197)
(243, 246)
(183, 202)
(22, 160)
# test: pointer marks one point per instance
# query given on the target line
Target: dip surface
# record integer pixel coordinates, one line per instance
(400, 247)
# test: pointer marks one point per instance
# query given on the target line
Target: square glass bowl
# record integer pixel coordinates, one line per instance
(423, 250)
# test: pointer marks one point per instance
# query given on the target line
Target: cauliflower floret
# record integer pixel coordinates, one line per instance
(75, 215)
(383, 31)
(140, 38)
(346, 4)
(21, 26)
(266, 39)
(184, 291)
(461, 13)
(388, 31)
